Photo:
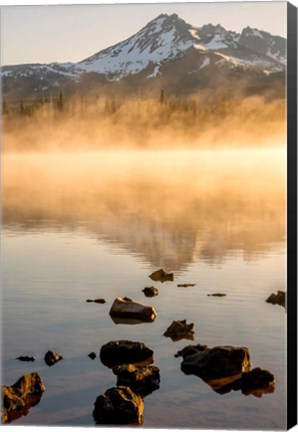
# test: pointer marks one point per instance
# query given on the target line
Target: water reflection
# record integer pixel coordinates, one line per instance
(193, 205)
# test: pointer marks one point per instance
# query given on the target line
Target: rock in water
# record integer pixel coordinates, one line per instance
(142, 380)
(217, 362)
(121, 352)
(127, 309)
(161, 276)
(21, 396)
(150, 291)
(279, 298)
(256, 382)
(217, 295)
(100, 301)
(180, 330)
(118, 405)
(26, 358)
(52, 357)
(92, 355)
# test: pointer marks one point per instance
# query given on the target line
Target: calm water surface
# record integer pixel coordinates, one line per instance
(79, 226)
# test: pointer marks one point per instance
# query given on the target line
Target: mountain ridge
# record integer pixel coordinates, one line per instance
(148, 55)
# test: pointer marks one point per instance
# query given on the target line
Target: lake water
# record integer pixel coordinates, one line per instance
(89, 225)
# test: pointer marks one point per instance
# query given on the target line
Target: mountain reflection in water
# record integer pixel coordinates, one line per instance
(170, 207)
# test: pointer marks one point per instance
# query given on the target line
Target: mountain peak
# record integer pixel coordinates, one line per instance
(163, 38)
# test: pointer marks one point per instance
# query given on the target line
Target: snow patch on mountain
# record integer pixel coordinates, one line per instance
(205, 63)
(155, 72)
(277, 56)
(194, 33)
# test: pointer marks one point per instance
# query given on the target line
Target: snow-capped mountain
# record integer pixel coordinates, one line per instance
(167, 49)
(169, 37)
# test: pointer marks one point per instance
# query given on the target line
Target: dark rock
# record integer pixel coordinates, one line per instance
(118, 405)
(150, 291)
(161, 276)
(279, 298)
(100, 300)
(21, 396)
(180, 330)
(26, 358)
(190, 350)
(121, 352)
(186, 285)
(52, 357)
(217, 295)
(92, 355)
(217, 362)
(256, 382)
(142, 380)
(127, 309)
(226, 368)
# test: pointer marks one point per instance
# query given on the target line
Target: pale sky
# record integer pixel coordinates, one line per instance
(60, 33)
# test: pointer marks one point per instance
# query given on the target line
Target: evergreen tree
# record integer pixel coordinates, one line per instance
(22, 108)
(60, 102)
(162, 97)
(5, 107)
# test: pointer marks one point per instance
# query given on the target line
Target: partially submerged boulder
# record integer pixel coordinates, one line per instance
(121, 352)
(21, 396)
(150, 291)
(124, 309)
(143, 380)
(217, 362)
(180, 330)
(217, 295)
(161, 276)
(26, 358)
(52, 358)
(118, 405)
(186, 285)
(257, 382)
(279, 298)
(226, 368)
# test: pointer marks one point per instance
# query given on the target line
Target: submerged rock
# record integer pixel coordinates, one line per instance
(127, 309)
(217, 295)
(143, 380)
(92, 355)
(150, 291)
(121, 352)
(26, 358)
(21, 396)
(100, 301)
(217, 362)
(279, 298)
(52, 357)
(186, 285)
(161, 276)
(180, 330)
(118, 405)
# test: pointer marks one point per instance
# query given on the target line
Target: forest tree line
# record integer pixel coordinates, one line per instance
(138, 122)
